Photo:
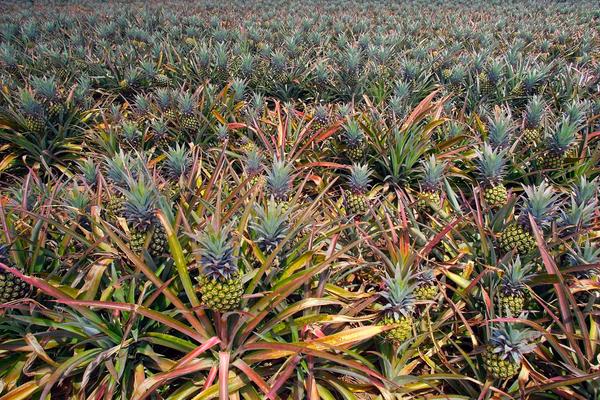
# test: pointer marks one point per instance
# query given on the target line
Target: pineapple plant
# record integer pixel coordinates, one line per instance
(558, 145)
(139, 210)
(160, 134)
(33, 112)
(540, 203)
(117, 172)
(254, 167)
(165, 103)
(511, 291)
(269, 227)
(131, 135)
(426, 287)
(220, 280)
(489, 79)
(532, 120)
(47, 90)
(431, 182)
(279, 181)
(399, 308)
(187, 112)
(500, 129)
(12, 288)
(491, 165)
(505, 350)
(320, 117)
(357, 202)
(354, 140)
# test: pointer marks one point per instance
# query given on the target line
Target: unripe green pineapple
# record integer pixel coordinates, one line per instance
(160, 134)
(254, 167)
(187, 112)
(117, 170)
(399, 308)
(511, 293)
(357, 202)
(162, 80)
(354, 140)
(165, 103)
(33, 113)
(431, 183)
(500, 129)
(540, 203)
(47, 90)
(558, 145)
(489, 80)
(532, 132)
(11, 287)
(220, 281)
(491, 169)
(426, 288)
(507, 346)
(146, 231)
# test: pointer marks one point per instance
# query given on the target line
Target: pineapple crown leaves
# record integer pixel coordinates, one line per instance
(187, 104)
(359, 178)
(163, 98)
(279, 179)
(141, 202)
(511, 342)
(578, 215)
(321, 113)
(494, 71)
(29, 105)
(514, 277)
(587, 254)
(130, 130)
(585, 191)
(540, 202)
(118, 168)
(89, 171)
(562, 137)
(500, 129)
(4, 254)
(353, 133)
(575, 113)
(433, 174)
(270, 226)
(77, 200)
(399, 296)
(177, 162)
(425, 275)
(45, 87)
(534, 112)
(491, 165)
(222, 133)
(254, 162)
(215, 247)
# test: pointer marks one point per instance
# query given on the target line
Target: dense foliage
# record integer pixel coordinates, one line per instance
(299, 200)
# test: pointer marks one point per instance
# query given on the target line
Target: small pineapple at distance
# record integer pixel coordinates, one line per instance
(187, 111)
(532, 119)
(558, 146)
(358, 184)
(431, 183)
(540, 203)
(505, 350)
(141, 204)
(399, 308)
(254, 167)
(354, 140)
(426, 287)
(12, 288)
(491, 166)
(220, 281)
(511, 294)
(33, 112)
(320, 117)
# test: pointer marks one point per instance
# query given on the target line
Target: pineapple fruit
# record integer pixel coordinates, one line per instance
(139, 209)
(279, 182)
(33, 112)
(426, 287)
(491, 166)
(505, 350)
(532, 119)
(540, 203)
(357, 201)
(354, 141)
(11, 287)
(187, 112)
(511, 293)
(559, 143)
(399, 308)
(220, 281)
(431, 183)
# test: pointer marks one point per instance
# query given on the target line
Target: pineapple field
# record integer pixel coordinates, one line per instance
(314, 199)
